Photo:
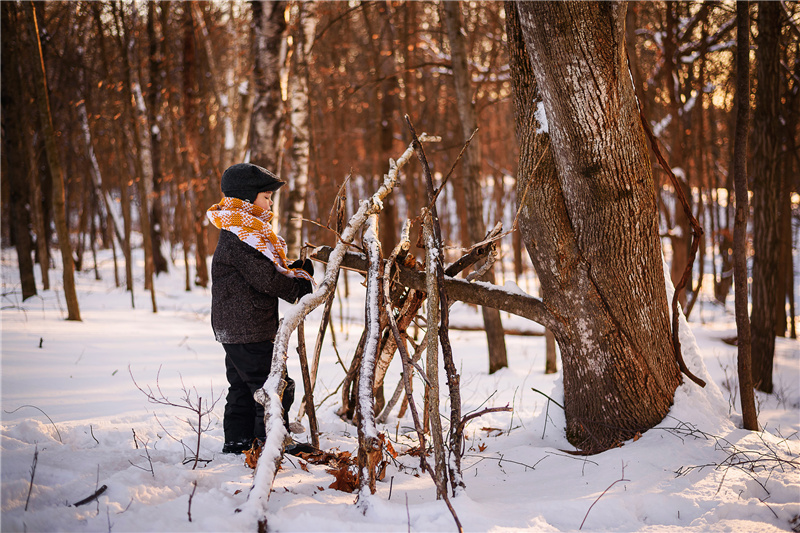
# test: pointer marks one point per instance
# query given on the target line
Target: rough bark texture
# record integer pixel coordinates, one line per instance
(742, 106)
(593, 229)
(472, 171)
(768, 286)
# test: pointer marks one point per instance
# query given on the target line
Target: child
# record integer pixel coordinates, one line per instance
(249, 272)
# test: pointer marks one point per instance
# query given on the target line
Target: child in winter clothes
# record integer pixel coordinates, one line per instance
(249, 272)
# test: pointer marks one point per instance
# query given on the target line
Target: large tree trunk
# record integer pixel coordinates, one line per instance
(768, 286)
(54, 161)
(471, 173)
(592, 227)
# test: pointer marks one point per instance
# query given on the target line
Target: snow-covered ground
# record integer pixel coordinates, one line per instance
(69, 400)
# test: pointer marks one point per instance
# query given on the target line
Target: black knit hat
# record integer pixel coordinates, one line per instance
(245, 181)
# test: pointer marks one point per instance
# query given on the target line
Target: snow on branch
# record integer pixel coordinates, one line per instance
(369, 447)
(270, 394)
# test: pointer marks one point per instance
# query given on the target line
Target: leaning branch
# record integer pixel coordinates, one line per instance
(477, 292)
(269, 394)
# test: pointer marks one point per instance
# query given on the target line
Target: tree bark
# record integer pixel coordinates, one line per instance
(269, 51)
(143, 159)
(768, 286)
(14, 168)
(154, 116)
(299, 120)
(680, 233)
(471, 175)
(54, 160)
(742, 107)
(604, 281)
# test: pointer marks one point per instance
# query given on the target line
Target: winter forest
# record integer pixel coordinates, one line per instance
(555, 247)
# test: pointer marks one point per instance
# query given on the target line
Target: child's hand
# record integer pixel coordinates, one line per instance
(303, 287)
(306, 265)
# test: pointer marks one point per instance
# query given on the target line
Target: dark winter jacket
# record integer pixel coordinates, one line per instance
(245, 287)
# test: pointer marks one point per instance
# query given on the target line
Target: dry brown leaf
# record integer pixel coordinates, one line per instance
(481, 447)
(251, 456)
(346, 480)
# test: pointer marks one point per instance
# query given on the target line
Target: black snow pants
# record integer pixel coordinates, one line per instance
(247, 367)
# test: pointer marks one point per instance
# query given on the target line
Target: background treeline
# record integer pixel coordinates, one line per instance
(150, 102)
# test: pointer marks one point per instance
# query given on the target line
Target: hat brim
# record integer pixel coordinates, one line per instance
(272, 187)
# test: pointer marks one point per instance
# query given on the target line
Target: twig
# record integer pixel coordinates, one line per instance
(467, 418)
(33, 473)
(45, 414)
(548, 397)
(452, 168)
(94, 496)
(91, 432)
(622, 478)
(200, 410)
(194, 483)
(147, 456)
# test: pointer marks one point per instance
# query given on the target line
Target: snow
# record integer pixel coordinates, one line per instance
(541, 117)
(518, 475)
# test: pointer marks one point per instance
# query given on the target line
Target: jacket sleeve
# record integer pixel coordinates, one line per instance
(260, 273)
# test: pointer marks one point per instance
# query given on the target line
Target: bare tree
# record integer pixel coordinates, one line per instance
(471, 173)
(54, 160)
(269, 51)
(742, 106)
(304, 27)
(768, 285)
(14, 167)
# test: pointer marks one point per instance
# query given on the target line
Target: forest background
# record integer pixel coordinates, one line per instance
(150, 102)
(122, 142)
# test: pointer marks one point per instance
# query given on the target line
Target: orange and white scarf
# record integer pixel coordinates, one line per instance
(253, 226)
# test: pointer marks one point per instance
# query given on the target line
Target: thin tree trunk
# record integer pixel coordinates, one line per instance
(269, 51)
(157, 225)
(742, 208)
(472, 173)
(143, 159)
(191, 102)
(768, 284)
(680, 235)
(54, 160)
(15, 171)
(299, 120)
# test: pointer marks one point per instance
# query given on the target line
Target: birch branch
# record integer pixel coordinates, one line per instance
(269, 394)
(369, 448)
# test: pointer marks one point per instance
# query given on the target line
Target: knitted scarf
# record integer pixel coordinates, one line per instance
(252, 225)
